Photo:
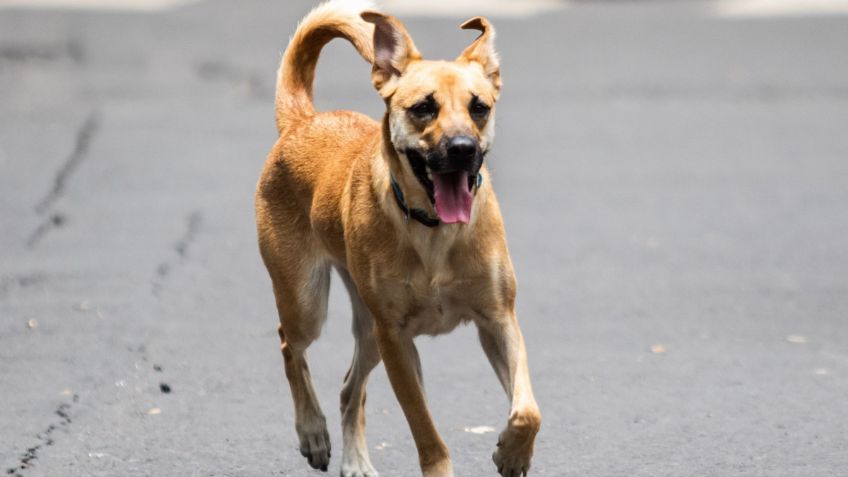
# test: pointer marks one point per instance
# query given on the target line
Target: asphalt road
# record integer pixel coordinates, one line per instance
(675, 189)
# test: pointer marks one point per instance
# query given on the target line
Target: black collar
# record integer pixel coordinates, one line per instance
(418, 214)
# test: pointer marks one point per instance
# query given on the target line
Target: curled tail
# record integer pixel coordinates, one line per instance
(333, 19)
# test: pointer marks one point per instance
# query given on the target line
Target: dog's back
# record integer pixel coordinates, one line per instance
(303, 178)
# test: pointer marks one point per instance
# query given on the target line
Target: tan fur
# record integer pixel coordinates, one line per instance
(324, 200)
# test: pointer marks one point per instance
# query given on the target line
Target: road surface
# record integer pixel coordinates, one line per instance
(674, 181)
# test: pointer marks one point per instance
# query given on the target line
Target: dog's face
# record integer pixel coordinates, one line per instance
(440, 113)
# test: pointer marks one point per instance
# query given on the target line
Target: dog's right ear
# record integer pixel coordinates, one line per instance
(393, 51)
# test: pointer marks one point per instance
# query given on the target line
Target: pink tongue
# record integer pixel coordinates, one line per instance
(453, 199)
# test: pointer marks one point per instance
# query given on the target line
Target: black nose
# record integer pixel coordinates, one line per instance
(462, 147)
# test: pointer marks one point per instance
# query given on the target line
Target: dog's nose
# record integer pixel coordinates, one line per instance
(462, 147)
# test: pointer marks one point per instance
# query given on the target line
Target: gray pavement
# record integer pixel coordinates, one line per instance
(675, 189)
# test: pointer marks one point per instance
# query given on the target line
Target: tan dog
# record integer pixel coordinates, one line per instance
(398, 209)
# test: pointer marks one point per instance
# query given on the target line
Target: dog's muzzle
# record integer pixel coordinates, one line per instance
(449, 175)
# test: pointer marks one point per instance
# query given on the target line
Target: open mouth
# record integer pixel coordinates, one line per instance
(449, 190)
(452, 196)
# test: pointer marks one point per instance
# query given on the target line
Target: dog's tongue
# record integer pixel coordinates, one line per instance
(453, 199)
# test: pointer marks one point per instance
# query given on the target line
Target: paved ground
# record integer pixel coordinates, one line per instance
(671, 180)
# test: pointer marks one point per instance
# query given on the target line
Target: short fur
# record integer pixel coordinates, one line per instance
(324, 200)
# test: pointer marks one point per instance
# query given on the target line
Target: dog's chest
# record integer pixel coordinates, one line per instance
(441, 285)
(436, 303)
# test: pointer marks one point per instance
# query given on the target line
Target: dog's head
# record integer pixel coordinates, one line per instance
(440, 114)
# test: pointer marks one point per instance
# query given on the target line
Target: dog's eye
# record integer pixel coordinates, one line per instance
(423, 109)
(478, 109)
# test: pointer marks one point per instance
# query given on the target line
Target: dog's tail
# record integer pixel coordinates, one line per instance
(333, 19)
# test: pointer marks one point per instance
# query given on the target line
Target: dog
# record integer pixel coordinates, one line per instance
(404, 210)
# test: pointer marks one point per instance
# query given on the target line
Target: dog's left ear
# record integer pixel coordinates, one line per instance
(482, 51)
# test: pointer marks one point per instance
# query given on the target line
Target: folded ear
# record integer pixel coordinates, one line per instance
(482, 51)
(393, 50)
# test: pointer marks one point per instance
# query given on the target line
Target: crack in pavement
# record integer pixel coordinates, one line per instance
(181, 247)
(45, 437)
(20, 281)
(217, 71)
(81, 147)
(56, 220)
(164, 388)
(73, 49)
(192, 225)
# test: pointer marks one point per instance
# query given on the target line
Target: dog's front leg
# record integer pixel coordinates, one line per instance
(504, 346)
(404, 369)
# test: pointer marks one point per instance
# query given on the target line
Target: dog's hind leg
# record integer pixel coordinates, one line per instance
(301, 291)
(355, 460)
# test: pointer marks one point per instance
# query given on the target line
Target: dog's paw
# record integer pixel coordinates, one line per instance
(315, 446)
(515, 446)
(355, 463)
(358, 470)
(511, 465)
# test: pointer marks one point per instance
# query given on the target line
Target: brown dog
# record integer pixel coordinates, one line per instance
(400, 210)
